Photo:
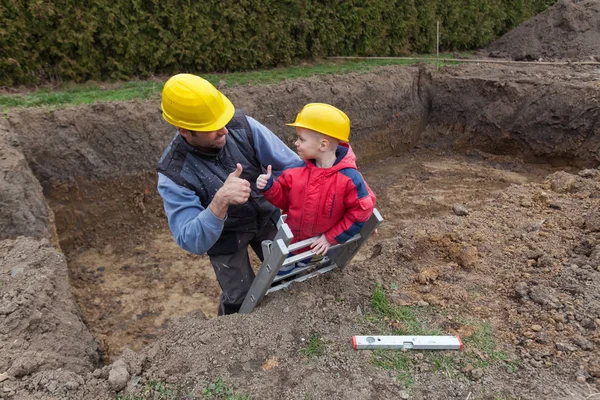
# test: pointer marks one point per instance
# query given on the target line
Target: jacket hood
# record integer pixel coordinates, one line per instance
(345, 158)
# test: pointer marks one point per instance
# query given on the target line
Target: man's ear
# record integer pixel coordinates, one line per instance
(185, 133)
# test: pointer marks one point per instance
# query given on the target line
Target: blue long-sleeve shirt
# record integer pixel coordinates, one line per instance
(195, 228)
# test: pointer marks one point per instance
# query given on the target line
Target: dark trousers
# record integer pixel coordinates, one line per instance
(234, 272)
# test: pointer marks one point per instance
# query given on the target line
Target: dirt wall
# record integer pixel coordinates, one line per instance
(542, 114)
(23, 209)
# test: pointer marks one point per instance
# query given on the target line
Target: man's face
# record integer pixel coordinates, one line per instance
(207, 141)
(308, 143)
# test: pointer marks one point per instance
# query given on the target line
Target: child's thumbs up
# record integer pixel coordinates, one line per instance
(263, 179)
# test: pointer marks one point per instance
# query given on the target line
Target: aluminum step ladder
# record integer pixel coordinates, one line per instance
(276, 256)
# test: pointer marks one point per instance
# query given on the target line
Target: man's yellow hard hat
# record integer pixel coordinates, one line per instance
(193, 103)
(325, 119)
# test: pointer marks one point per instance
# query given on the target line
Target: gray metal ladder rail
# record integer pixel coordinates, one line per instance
(275, 256)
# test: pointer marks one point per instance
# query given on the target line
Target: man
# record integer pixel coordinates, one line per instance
(207, 179)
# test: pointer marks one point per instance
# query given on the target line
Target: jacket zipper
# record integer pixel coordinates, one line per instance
(305, 197)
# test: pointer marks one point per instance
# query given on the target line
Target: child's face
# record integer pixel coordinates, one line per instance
(307, 144)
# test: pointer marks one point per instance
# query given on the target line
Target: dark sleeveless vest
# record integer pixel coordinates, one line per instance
(204, 173)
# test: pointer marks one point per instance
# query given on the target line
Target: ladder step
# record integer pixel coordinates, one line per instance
(302, 278)
(407, 342)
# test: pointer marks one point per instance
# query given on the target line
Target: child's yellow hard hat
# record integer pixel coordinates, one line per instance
(325, 119)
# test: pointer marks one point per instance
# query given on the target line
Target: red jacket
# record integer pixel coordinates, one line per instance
(336, 201)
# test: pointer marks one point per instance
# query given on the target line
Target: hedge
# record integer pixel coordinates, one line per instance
(77, 40)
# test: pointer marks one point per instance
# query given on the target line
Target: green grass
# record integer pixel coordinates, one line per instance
(400, 362)
(314, 346)
(486, 350)
(480, 348)
(70, 94)
(408, 323)
(214, 390)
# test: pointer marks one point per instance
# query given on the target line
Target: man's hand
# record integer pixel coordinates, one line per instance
(321, 245)
(235, 190)
(262, 179)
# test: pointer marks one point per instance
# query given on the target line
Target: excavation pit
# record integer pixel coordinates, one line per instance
(481, 138)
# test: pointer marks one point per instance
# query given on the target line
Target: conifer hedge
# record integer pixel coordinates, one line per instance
(55, 40)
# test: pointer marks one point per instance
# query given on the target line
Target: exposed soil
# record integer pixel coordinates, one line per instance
(487, 178)
(567, 30)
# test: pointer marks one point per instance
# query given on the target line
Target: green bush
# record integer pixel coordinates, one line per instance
(45, 41)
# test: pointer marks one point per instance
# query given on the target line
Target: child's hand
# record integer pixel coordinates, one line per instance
(321, 245)
(262, 179)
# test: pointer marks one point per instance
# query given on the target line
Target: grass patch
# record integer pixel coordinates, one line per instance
(214, 390)
(401, 362)
(480, 348)
(69, 94)
(314, 346)
(483, 348)
(400, 320)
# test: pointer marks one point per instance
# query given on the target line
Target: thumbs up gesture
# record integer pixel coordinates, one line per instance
(261, 181)
(235, 190)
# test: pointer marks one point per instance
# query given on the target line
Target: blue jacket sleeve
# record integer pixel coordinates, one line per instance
(270, 150)
(194, 228)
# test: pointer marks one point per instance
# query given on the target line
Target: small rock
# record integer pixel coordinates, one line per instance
(565, 347)
(587, 323)
(460, 210)
(555, 205)
(559, 318)
(222, 84)
(535, 226)
(542, 337)
(422, 303)
(358, 310)
(477, 374)
(521, 289)
(581, 379)
(536, 328)
(583, 343)
(464, 255)
(560, 327)
(72, 384)
(403, 394)
(588, 173)
(118, 375)
(525, 203)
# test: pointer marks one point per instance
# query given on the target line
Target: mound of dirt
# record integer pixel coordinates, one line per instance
(568, 30)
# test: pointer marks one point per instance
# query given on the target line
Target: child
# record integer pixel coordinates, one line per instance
(323, 194)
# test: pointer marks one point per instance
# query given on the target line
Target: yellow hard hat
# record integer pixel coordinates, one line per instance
(324, 119)
(193, 103)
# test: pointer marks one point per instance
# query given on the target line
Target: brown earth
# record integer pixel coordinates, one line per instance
(487, 178)
(570, 29)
